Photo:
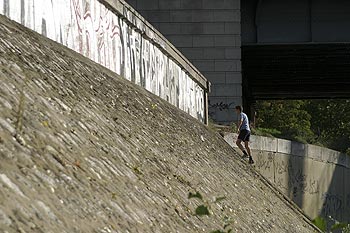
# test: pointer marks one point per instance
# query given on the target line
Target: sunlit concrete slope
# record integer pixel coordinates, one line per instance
(83, 150)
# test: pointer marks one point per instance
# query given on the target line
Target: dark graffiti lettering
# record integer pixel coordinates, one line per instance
(221, 106)
(264, 164)
(313, 186)
(298, 182)
(281, 167)
(332, 205)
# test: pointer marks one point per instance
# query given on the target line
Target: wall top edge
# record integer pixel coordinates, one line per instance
(123, 9)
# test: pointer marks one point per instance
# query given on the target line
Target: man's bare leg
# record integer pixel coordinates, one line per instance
(246, 144)
(240, 146)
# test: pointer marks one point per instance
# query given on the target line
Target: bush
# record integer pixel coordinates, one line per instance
(286, 119)
(346, 229)
(332, 225)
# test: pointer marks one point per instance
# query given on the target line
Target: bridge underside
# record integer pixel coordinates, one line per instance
(296, 71)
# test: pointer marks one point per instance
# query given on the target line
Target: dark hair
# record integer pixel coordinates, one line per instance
(240, 108)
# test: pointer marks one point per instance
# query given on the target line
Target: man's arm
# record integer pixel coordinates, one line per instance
(239, 124)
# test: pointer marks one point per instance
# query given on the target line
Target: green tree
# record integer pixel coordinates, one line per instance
(331, 122)
(323, 122)
(287, 116)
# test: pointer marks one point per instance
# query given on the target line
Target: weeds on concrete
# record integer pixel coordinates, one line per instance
(321, 223)
(203, 209)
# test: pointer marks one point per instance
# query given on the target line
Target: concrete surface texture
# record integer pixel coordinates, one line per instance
(315, 178)
(119, 39)
(84, 150)
(208, 32)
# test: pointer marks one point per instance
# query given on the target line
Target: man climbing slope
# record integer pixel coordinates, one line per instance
(243, 131)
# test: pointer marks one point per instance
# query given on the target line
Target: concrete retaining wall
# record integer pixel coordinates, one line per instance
(315, 178)
(112, 34)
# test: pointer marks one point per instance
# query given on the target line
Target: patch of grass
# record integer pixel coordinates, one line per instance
(195, 195)
(211, 125)
(266, 132)
(321, 223)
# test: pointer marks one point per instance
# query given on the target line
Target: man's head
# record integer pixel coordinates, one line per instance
(239, 109)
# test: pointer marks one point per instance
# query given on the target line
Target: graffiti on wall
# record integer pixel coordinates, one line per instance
(297, 181)
(290, 176)
(221, 106)
(91, 29)
(265, 163)
(319, 187)
(332, 205)
(215, 108)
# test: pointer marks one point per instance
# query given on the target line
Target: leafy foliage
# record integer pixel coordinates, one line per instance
(202, 210)
(331, 122)
(288, 117)
(195, 195)
(339, 226)
(320, 122)
(346, 229)
(320, 223)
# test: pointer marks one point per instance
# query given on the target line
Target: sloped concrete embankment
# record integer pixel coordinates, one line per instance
(114, 35)
(313, 177)
(83, 150)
